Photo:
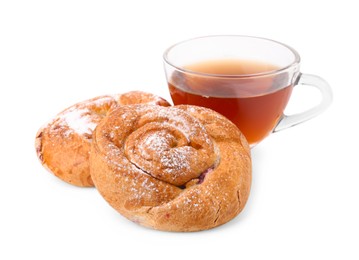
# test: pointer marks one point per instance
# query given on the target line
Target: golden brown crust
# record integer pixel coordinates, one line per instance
(181, 168)
(63, 145)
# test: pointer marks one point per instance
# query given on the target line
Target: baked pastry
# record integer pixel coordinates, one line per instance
(181, 168)
(63, 145)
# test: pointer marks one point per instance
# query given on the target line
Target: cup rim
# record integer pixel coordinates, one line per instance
(295, 62)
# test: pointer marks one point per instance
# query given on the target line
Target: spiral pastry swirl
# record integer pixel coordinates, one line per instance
(181, 168)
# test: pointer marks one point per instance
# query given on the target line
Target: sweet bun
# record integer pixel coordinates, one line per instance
(63, 145)
(181, 168)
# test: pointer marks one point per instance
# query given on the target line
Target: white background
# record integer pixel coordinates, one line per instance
(305, 192)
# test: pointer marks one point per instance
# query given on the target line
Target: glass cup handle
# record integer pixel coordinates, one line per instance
(327, 97)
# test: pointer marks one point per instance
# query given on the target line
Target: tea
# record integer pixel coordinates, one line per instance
(241, 90)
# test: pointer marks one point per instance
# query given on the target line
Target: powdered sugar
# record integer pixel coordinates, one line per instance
(155, 142)
(79, 120)
(179, 119)
(178, 160)
(102, 101)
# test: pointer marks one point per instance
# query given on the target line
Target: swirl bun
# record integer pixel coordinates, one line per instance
(181, 168)
(64, 144)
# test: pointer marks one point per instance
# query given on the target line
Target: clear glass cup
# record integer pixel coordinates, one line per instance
(247, 79)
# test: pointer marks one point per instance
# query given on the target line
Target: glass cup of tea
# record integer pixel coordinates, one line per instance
(247, 79)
